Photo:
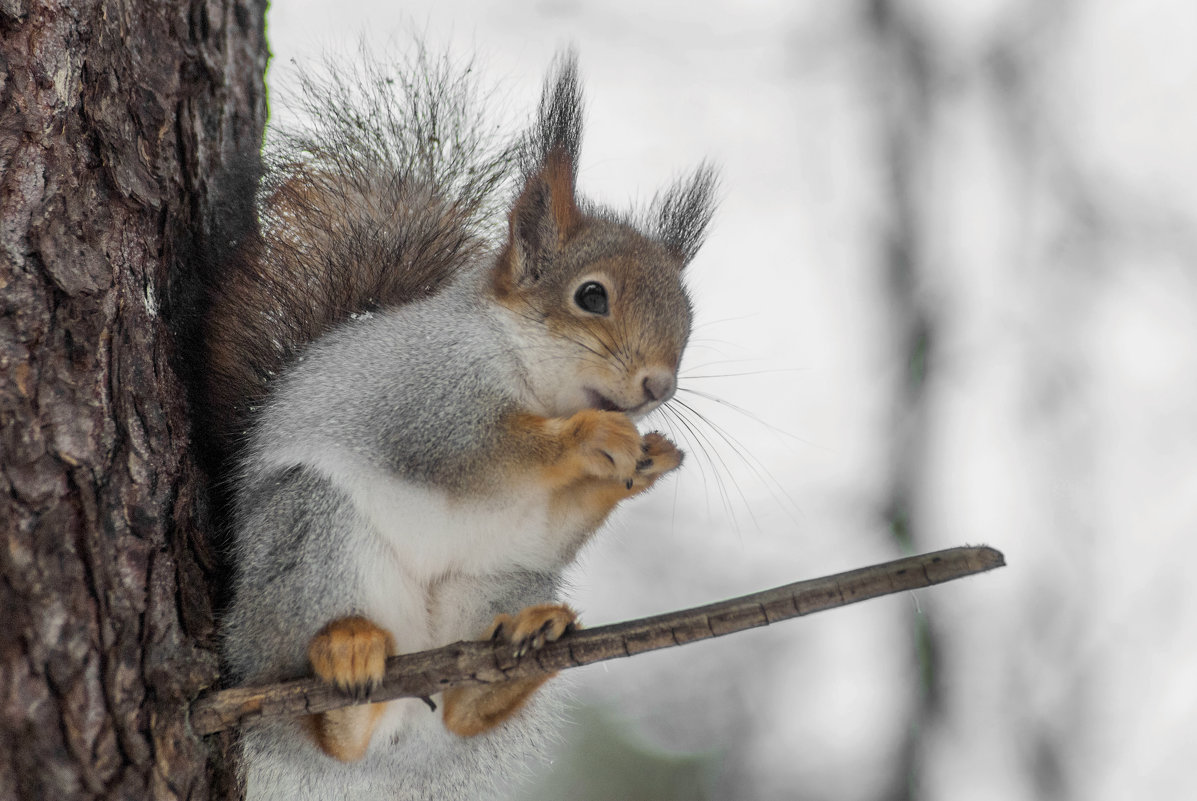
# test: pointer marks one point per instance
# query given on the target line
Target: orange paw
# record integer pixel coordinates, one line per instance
(658, 456)
(608, 443)
(472, 710)
(351, 653)
(533, 626)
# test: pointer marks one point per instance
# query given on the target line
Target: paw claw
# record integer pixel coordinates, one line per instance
(534, 627)
(350, 653)
(660, 456)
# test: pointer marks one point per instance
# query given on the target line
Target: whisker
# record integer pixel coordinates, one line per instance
(749, 414)
(776, 489)
(613, 352)
(694, 445)
(700, 324)
(771, 371)
(659, 414)
(722, 361)
(712, 449)
(720, 346)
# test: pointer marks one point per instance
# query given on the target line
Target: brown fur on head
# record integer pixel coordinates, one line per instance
(602, 301)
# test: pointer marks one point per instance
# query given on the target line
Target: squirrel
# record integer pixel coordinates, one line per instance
(426, 361)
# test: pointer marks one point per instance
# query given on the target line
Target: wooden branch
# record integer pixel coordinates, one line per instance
(423, 674)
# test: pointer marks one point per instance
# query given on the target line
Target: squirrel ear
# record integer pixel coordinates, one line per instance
(558, 124)
(544, 218)
(680, 215)
(545, 215)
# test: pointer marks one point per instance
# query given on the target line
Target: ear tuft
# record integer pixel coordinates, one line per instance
(545, 215)
(680, 215)
(559, 118)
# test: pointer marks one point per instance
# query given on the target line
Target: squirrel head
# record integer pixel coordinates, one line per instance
(598, 304)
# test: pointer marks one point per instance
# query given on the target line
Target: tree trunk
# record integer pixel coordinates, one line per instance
(114, 119)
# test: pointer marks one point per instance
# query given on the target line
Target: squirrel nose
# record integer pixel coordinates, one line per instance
(658, 384)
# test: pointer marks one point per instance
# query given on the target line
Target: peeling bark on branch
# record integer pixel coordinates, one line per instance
(429, 672)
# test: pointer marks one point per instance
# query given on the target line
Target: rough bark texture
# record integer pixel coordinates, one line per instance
(114, 116)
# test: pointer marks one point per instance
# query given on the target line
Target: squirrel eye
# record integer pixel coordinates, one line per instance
(592, 297)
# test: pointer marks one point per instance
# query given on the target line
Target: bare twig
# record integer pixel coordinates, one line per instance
(423, 674)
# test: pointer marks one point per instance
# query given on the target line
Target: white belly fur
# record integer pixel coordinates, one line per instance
(420, 538)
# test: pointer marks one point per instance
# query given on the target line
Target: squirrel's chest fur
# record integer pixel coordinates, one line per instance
(391, 430)
(368, 427)
(429, 549)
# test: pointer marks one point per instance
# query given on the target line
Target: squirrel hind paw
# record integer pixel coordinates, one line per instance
(533, 627)
(473, 710)
(351, 653)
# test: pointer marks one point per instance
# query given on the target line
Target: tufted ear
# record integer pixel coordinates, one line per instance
(544, 218)
(558, 124)
(679, 216)
(545, 215)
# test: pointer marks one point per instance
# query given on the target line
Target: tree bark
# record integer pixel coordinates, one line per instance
(115, 118)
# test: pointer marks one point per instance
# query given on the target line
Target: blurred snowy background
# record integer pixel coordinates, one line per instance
(952, 286)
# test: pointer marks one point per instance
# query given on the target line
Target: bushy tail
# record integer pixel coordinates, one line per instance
(392, 180)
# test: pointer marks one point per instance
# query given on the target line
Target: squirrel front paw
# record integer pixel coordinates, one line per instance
(593, 444)
(658, 456)
(607, 443)
(351, 653)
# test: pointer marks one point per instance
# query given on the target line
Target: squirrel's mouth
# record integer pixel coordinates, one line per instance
(597, 400)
